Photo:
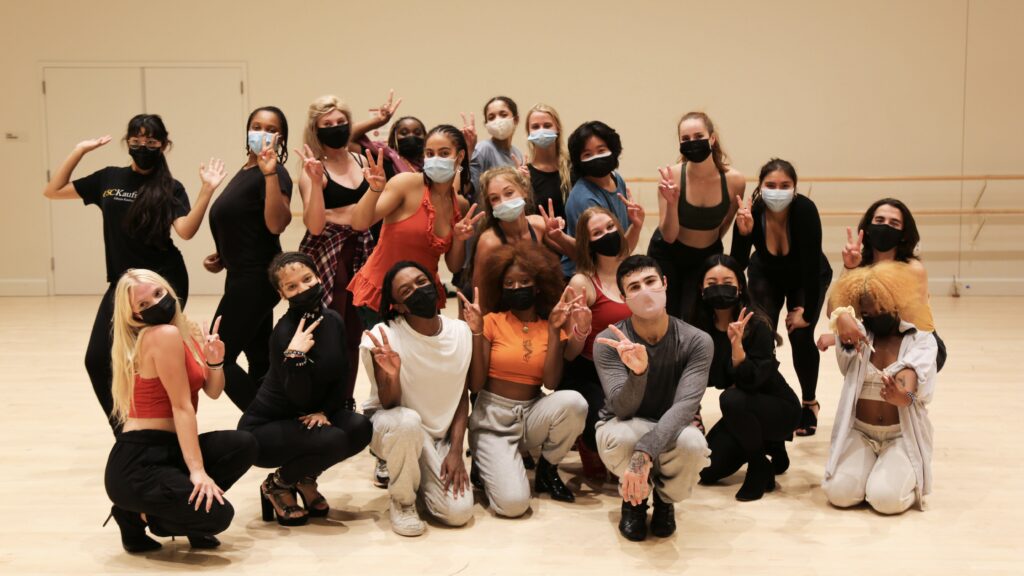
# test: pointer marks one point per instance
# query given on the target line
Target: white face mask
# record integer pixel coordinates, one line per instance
(648, 303)
(501, 128)
(509, 210)
(439, 169)
(777, 199)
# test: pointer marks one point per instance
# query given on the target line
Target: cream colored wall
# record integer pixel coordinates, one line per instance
(856, 88)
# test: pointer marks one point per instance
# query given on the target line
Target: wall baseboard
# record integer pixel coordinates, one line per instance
(979, 286)
(24, 287)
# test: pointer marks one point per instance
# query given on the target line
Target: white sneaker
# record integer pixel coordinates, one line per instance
(405, 521)
(380, 474)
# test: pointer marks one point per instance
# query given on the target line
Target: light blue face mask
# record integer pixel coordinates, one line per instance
(439, 169)
(257, 138)
(543, 138)
(509, 210)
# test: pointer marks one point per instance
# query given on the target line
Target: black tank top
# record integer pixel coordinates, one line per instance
(336, 195)
(504, 240)
(702, 217)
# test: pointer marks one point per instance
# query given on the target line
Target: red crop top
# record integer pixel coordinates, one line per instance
(150, 399)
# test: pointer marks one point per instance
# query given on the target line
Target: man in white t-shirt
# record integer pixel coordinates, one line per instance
(417, 361)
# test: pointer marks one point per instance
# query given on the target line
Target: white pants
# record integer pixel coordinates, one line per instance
(873, 466)
(414, 465)
(675, 471)
(499, 426)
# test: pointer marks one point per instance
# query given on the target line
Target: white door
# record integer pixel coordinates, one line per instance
(85, 103)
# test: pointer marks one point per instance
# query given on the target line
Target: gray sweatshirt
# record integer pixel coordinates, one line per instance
(669, 392)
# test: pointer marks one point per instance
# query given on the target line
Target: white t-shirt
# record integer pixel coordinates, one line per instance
(433, 372)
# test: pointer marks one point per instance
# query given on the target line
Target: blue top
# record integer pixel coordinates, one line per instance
(585, 194)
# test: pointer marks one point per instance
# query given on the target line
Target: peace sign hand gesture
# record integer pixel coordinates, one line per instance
(312, 166)
(469, 131)
(553, 225)
(634, 356)
(387, 109)
(744, 219)
(466, 227)
(384, 357)
(667, 186)
(852, 252)
(560, 313)
(736, 329)
(93, 143)
(267, 158)
(374, 171)
(634, 211)
(213, 348)
(212, 174)
(471, 311)
(303, 340)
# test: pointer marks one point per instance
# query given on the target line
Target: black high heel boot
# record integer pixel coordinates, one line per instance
(548, 480)
(760, 479)
(133, 531)
(780, 458)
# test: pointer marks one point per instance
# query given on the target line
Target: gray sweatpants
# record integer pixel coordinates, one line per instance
(414, 465)
(675, 471)
(497, 428)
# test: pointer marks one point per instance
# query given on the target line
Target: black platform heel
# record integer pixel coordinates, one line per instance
(271, 492)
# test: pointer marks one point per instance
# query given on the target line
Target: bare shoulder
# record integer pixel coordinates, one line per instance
(407, 181)
(917, 267)
(161, 339)
(736, 180)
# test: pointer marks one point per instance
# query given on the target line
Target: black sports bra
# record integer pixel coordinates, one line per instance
(504, 240)
(702, 217)
(336, 195)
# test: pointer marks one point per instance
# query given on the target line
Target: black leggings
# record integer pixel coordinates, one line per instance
(581, 375)
(749, 422)
(146, 474)
(770, 288)
(247, 320)
(97, 353)
(681, 265)
(301, 452)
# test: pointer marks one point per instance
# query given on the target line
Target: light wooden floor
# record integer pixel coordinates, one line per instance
(55, 444)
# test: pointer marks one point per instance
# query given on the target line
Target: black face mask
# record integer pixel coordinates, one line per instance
(607, 245)
(411, 147)
(334, 136)
(519, 298)
(145, 158)
(884, 237)
(308, 300)
(160, 313)
(695, 150)
(721, 296)
(882, 324)
(599, 167)
(423, 301)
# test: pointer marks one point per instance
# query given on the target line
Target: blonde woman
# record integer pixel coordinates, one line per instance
(161, 472)
(548, 160)
(881, 448)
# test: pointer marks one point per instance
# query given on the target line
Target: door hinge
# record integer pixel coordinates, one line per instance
(241, 87)
(44, 86)
(53, 264)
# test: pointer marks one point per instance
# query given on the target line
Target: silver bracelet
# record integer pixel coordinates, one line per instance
(912, 397)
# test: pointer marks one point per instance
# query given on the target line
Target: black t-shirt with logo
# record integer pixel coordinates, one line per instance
(238, 224)
(114, 190)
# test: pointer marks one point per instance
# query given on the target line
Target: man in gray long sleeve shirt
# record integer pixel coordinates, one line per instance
(654, 370)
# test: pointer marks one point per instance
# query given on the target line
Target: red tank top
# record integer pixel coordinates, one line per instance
(150, 400)
(409, 239)
(603, 312)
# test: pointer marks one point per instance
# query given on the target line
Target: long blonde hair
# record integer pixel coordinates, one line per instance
(321, 106)
(128, 331)
(560, 151)
(892, 286)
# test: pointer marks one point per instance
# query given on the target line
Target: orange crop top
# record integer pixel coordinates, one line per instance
(517, 354)
(150, 400)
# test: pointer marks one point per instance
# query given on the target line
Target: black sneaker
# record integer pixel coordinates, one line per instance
(663, 519)
(633, 524)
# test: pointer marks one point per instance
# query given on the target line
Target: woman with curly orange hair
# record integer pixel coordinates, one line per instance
(518, 347)
(882, 438)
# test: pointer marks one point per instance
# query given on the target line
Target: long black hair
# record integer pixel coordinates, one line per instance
(387, 302)
(704, 315)
(151, 215)
(908, 242)
(282, 140)
(455, 135)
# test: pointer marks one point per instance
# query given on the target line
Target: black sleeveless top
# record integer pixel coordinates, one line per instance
(702, 217)
(336, 195)
(504, 240)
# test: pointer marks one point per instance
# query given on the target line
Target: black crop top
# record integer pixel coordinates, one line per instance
(702, 217)
(336, 195)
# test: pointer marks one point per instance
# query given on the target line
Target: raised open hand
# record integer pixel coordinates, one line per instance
(212, 174)
(93, 143)
(634, 356)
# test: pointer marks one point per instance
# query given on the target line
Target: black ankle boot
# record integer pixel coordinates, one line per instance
(133, 531)
(780, 458)
(663, 519)
(760, 479)
(548, 480)
(474, 476)
(633, 524)
(203, 542)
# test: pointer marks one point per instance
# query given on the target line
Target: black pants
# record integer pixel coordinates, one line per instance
(301, 452)
(681, 265)
(749, 421)
(770, 288)
(146, 474)
(247, 320)
(341, 302)
(97, 353)
(581, 375)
